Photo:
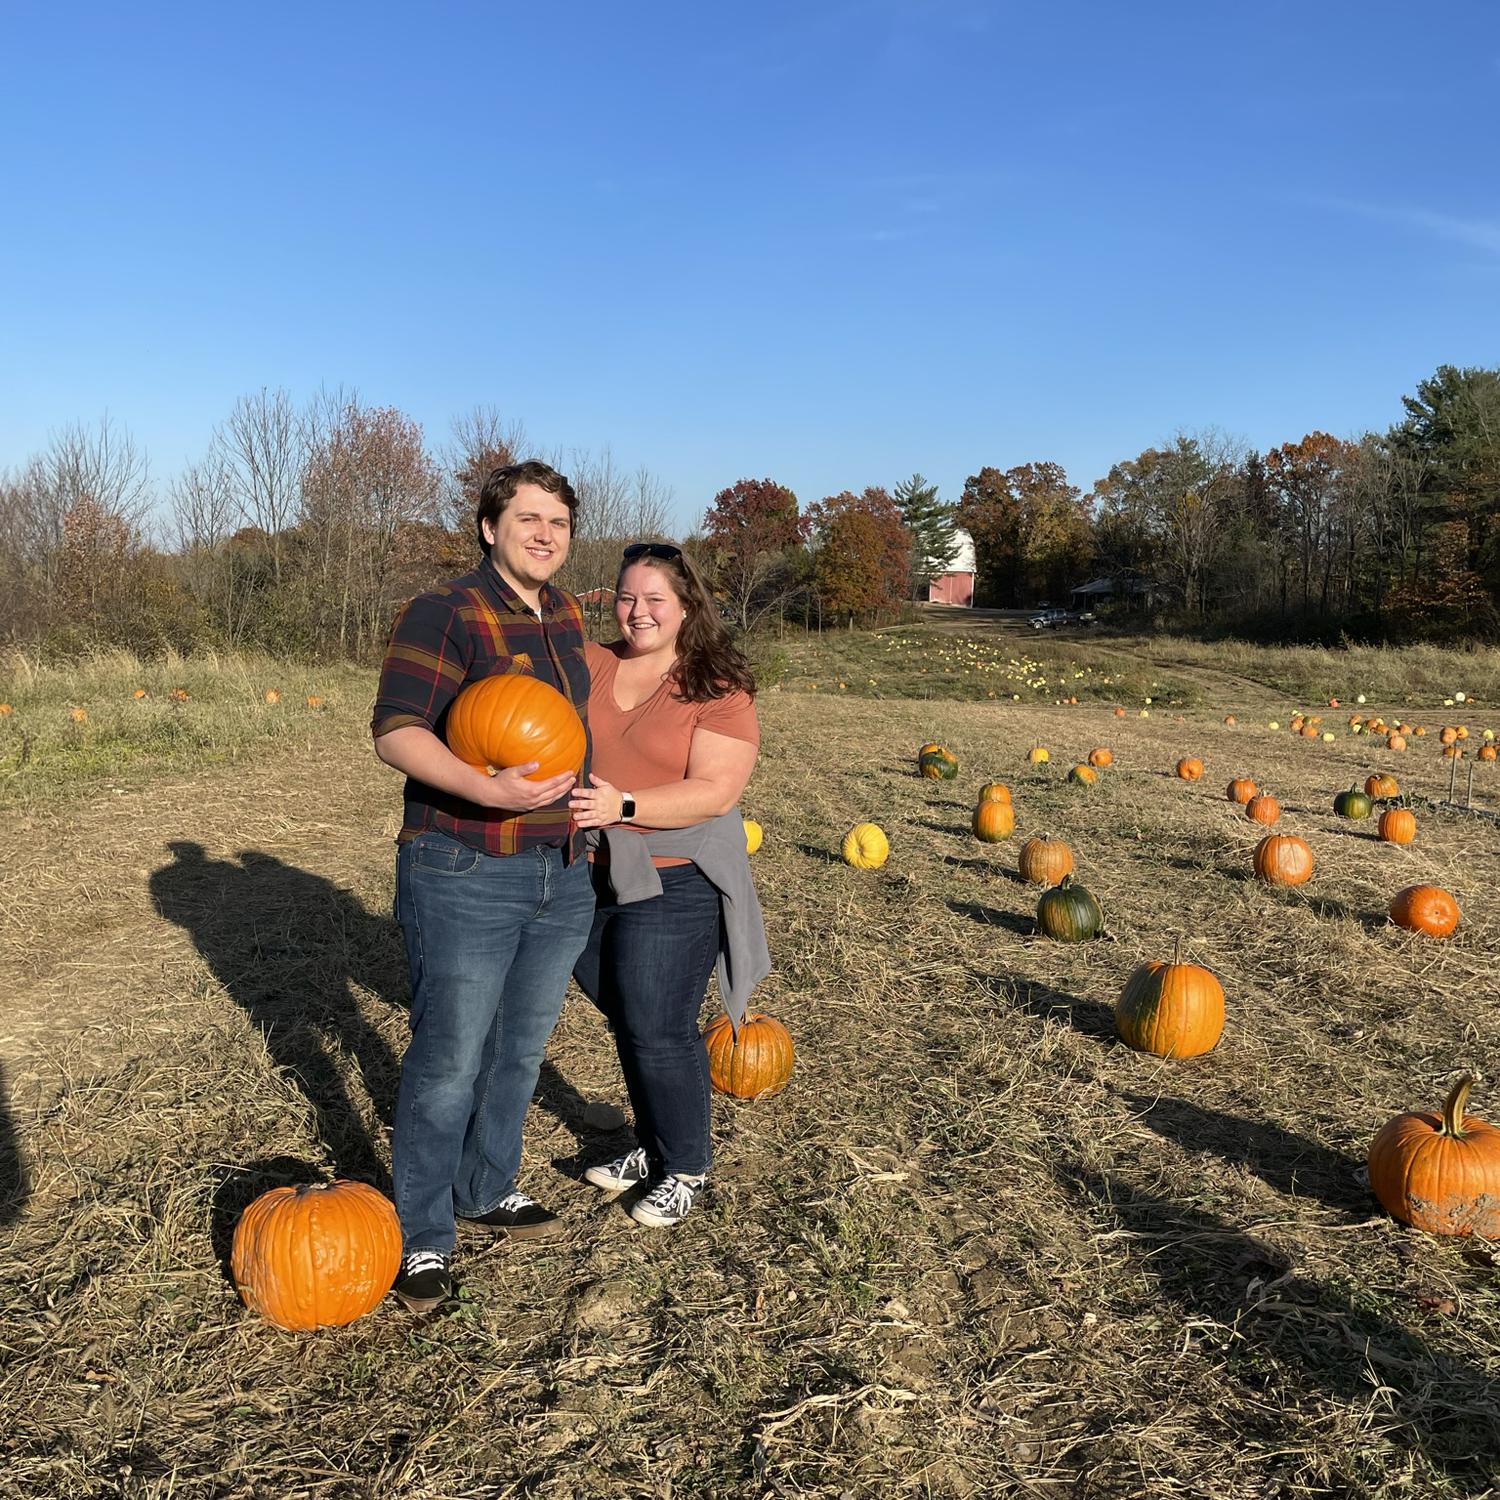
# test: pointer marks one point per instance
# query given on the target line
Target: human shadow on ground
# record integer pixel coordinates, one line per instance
(288, 946)
(15, 1179)
(1313, 1338)
(1293, 1164)
(1087, 1017)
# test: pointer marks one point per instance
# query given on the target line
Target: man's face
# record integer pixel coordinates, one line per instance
(529, 540)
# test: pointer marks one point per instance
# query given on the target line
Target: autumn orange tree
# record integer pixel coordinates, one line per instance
(862, 553)
(1032, 530)
(752, 542)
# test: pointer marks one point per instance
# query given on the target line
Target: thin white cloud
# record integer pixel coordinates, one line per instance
(1480, 234)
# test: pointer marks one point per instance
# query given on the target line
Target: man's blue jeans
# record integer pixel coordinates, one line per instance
(646, 967)
(491, 940)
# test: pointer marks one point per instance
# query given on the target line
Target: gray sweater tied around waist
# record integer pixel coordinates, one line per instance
(717, 847)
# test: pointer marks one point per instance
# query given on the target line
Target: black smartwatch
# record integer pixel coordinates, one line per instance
(627, 807)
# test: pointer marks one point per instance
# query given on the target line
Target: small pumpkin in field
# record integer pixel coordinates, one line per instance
(1068, 913)
(79, 715)
(1241, 790)
(1171, 1009)
(1039, 755)
(1283, 859)
(1397, 825)
(754, 835)
(6, 710)
(273, 696)
(1263, 808)
(1427, 909)
(1353, 804)
(1083, 775)
(1395, 742)
(866, 847)
(1453, 752)
(1309, 731)
(1044, 861)
(1440, 1173)
(993, 821)
(139, 694)
(1119, 713)
(314, 701)
(1420, 730)
(1230, 720)
(753, 1065)
(316, 1256)
(1101, 756)
(1382, 784)
(1486, 752)
(1190, 768)
(994, 791)
(1448, 736)
(510, 719)
(937, 763)
(1296, 722)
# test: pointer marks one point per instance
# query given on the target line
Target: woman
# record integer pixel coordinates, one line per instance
(675, 736)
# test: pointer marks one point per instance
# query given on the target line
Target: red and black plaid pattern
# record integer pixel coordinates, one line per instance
(473, 627)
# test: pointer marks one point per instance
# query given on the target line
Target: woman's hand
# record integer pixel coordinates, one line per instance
(597, 806)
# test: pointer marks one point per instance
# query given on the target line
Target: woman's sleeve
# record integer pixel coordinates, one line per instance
(732, 715)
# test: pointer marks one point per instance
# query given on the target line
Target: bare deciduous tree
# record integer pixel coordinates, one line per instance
(262, 444)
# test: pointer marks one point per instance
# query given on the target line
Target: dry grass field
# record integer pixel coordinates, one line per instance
(977, 1248)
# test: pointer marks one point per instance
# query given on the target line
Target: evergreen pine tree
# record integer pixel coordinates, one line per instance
(932, 528)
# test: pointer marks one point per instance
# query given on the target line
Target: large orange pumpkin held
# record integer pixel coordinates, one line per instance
(510, 719)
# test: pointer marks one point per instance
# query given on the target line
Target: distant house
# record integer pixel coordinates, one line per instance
(1099, 591)
(597, 596)
(955, 585)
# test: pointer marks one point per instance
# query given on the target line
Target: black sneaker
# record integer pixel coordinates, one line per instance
(621, 1173)
(668, 1203)
(423, 1281)
(520, 1217)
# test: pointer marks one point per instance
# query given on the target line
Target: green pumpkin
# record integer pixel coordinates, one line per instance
(1069, 914)
(937, 765)
(1353, 804)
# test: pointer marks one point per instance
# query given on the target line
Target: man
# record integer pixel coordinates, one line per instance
(492, 889)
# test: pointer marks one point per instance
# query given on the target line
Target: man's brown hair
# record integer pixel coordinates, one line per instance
(501, 486)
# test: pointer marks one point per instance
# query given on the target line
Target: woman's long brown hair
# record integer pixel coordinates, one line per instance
(709, 665)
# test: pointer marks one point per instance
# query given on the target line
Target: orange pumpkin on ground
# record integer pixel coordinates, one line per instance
(1397, 825)
(993, 821)
(1448, 736)
(1382, 784)
(1487, 752)
(1119, 713)
(1395, 742)
(1230, 720)
(316, 1256)
(1309, 731)
(1082, 775)
(510, 719)
(754, 1065)
(1101, 757)
(1044, 861)
(1171, 1009)
(1263, 808)
(1453, 752)
(994, 791)
(1440, 1173)
(1190, 768)
(1283, 859)
(1427, 909)
(1241, 790)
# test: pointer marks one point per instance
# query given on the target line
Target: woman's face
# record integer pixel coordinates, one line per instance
(647, 609)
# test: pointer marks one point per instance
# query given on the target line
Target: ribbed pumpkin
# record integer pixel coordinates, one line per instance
(754, 1065)
(316, 1256)
(1440, 1173)
(511, 718)
(937, 763)
(1283, 859)
(993, 821)
(1241, 790)
(866, 847)
(1427, 909)
(1263, 808)
(1382, 784)
(1353, 804)
(1397, 825)
(1039, 755)
(1171, 1009)
(1190, 768)
(1068, 913)
(1083, 775)
(1101, 756)
(1044, 861)
(994, 791)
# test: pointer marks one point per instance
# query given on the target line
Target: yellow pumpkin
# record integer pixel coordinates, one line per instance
(866, 846)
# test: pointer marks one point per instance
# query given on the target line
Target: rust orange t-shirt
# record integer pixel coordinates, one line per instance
(648, 745)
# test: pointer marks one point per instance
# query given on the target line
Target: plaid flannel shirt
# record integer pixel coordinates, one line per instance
(474, 627)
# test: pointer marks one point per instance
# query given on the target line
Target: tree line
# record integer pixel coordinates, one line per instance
(302, 528)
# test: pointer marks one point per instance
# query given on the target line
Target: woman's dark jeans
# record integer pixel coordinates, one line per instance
(646, 966)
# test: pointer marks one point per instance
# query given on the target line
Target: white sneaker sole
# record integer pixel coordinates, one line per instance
(653, 1220)
(602, 1177)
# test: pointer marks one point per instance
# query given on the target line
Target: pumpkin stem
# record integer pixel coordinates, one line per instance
(1453, 1109)
(1177, 950)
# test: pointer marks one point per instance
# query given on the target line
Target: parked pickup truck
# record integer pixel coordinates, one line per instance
(1050, 619)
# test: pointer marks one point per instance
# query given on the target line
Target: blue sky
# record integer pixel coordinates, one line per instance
(830, 243)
